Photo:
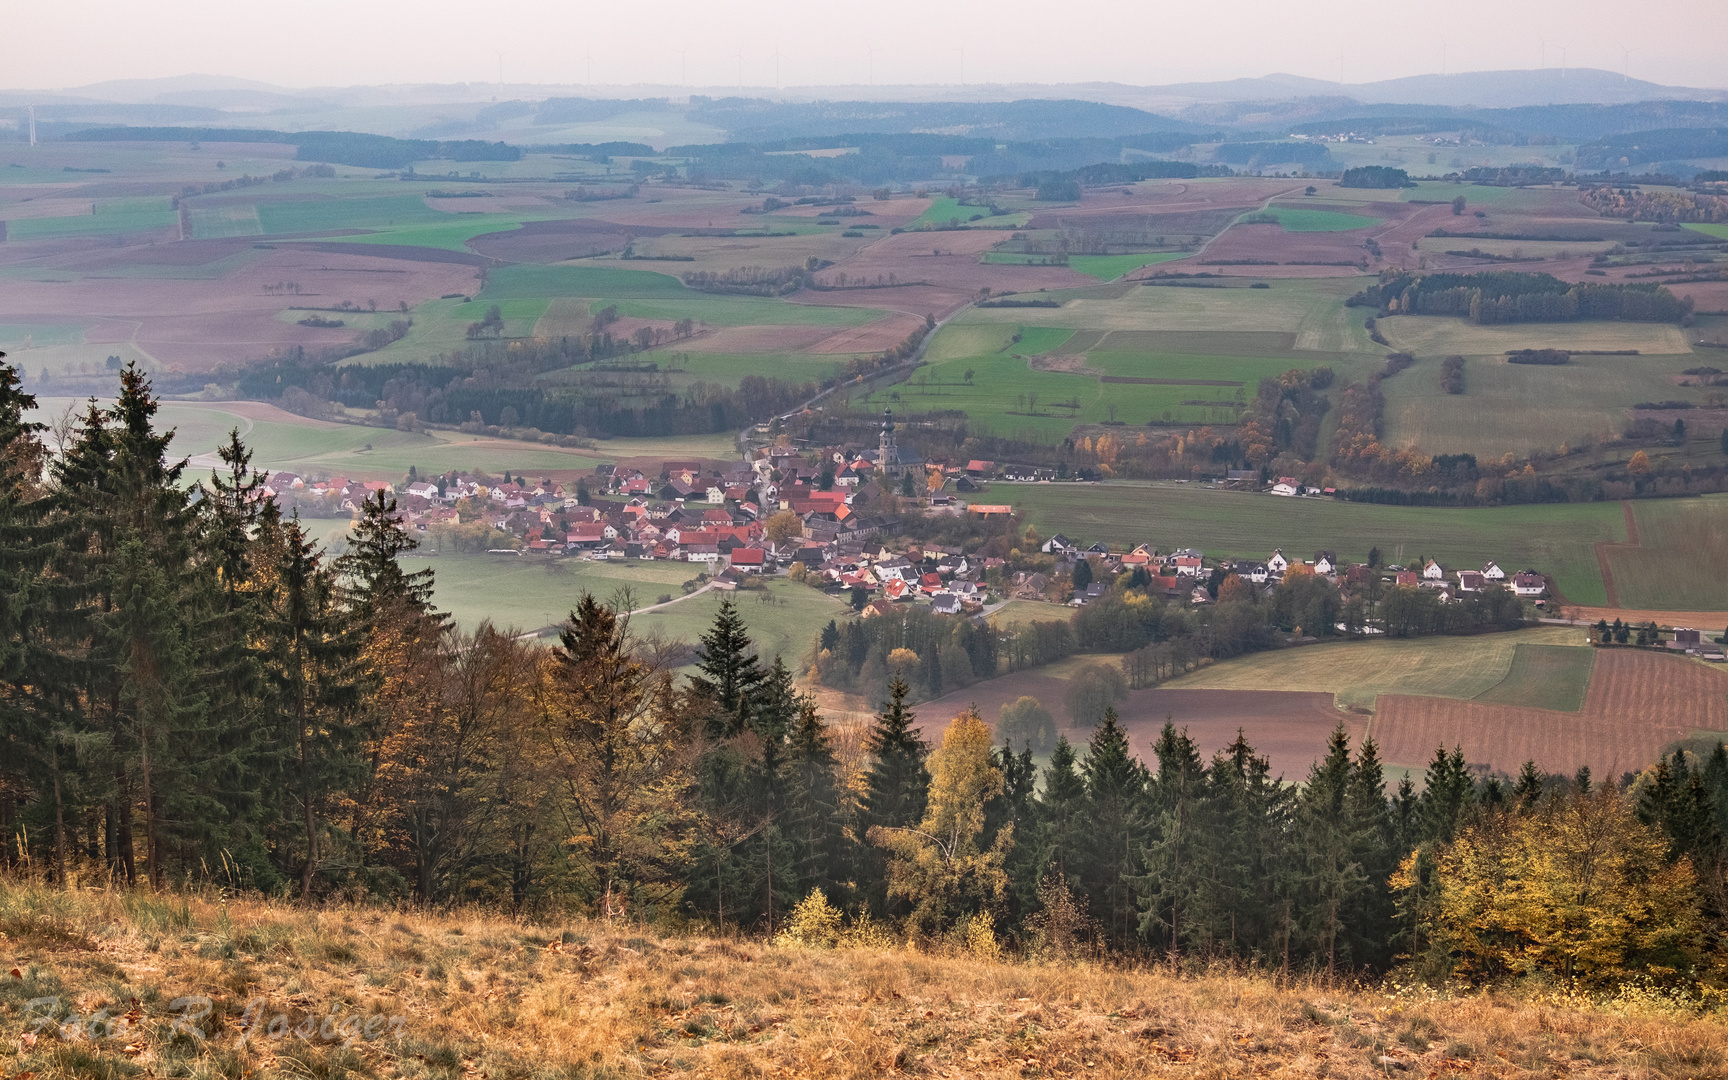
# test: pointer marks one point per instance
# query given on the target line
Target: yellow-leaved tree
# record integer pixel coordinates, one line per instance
(938, 866)
(1578, 889)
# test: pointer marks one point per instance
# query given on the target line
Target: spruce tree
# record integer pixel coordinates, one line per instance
(1116, 811)
(896, 785)
(38, 675)
(309, 653)
(1332, 879)
(731, 673)
(1174, 855)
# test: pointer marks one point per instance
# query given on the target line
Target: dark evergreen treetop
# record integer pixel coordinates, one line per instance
(897, 784)
(732, 674)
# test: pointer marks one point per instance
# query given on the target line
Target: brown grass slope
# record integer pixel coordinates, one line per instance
(485, 996)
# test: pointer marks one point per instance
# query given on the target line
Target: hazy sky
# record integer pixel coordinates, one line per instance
(706, 42)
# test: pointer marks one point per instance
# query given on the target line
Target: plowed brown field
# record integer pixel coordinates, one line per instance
(1638, 703)
(1289, 728)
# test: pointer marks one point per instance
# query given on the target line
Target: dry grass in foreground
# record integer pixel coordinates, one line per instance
(297, 993)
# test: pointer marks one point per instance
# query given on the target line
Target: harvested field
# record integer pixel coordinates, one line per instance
(873, 336)
(1441, 335)
(1289, 728)
(555, 241)
(1638, 704)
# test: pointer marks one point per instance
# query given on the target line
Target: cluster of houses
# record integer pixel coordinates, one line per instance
(1183, 573)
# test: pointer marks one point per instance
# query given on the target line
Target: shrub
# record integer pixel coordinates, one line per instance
(815, 924)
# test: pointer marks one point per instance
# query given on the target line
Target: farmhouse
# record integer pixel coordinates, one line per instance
(1287, 486)
(1529, 583)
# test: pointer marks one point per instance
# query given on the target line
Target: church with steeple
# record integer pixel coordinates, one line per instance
(891, 458)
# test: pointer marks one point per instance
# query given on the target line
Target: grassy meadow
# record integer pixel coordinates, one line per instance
(1303, 219)
(111, 216)
(1498, 413)
(1111, 267)
(1545, 677)
(1557, 539)
(1357, 672)
(427, 995)
(1676, 565)
(525, 593)
(784, 628)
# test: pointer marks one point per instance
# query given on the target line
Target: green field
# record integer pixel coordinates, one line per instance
(1544, 677)
(1677, 565)
(111, 216)
(1303, 219)
(329, 215)
(785, 628)
(1114, 341)
(1359, 671)
(39, 335)
(528, 592)
(1720, 232)
(1586, 398)
(1312, 309)
(1006, 394)
(1111, 267)
(943, 210)
(441, 325)
(1432, 191)
(1557, 539)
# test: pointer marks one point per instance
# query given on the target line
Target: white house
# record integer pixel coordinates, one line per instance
(1277, 563)
(1529, 583)
(1492, 572)
(1471, 581)
(1325, 563)
(1287, 486)
(1433, 572)
(1257, 572)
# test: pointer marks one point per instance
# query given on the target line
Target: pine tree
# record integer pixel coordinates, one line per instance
(376, 585)
(1173, 882)
(1448, 797)
(816, 808)
(130, 549)
(1332, 879)
(731, 673)
(38, 676)
(309, 650)
(1115, 799)
(896, 785)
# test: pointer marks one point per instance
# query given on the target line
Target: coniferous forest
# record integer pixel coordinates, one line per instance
(193, 693)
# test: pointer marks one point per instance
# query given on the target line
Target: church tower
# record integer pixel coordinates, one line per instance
(887, 455)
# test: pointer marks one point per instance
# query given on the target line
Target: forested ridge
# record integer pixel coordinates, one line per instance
(192, 692)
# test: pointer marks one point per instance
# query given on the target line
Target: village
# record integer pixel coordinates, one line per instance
(834, 518)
